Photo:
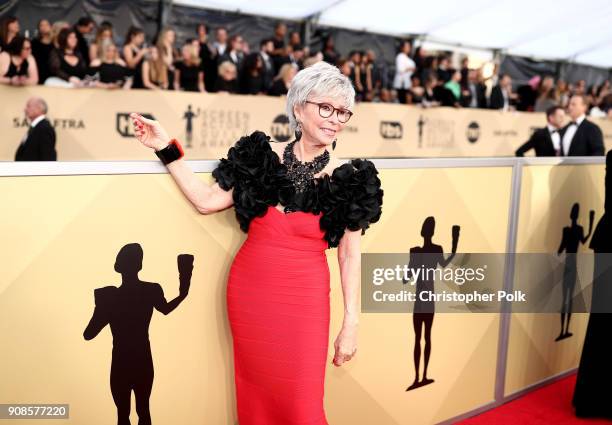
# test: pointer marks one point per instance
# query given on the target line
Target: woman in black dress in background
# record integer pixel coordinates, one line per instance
(282, 82)
(66, 62)
(17, 65)
(134, 55)
(42, 45)
(188, 73)
(591, 395)
(228, 78)
(110, 69)
(252, 78)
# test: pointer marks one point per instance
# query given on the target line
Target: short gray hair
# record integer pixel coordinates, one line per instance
(41, 103)
(320, 79)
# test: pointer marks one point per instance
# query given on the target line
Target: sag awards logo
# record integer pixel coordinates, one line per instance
(189, 116)
(440, 133)
(473, 132)
(391, 130)
(57, 123)
(505, 133)
(123, 124)
(215, 127)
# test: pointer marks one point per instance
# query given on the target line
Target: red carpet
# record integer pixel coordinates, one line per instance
(551, 404)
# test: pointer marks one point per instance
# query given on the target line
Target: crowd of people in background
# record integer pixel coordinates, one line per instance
(431, 81)
(61, 55)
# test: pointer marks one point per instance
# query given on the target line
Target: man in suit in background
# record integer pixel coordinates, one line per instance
(38, 144)
(295, 56)
(207, 57)
(502, 95)
(474, 93)
(266, 46)
(83, 27)
(581, 137)
(546, 141)
(234, 53)
(220, 43)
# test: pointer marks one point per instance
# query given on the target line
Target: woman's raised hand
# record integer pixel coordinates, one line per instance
(149, 132)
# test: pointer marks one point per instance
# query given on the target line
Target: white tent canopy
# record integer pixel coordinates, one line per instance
(543, 29)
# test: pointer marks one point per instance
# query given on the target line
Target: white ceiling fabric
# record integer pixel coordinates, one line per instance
(543, 29)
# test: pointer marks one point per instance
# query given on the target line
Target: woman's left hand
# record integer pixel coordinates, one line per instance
(345, 344)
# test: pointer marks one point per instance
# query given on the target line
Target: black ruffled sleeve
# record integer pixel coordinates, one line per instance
(252, 169)
(351, 199)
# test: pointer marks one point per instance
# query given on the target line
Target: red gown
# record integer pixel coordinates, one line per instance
(278, 308)
(278, 284)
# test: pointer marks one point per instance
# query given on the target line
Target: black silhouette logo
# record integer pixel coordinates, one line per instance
(391, 130)
(473, 132)
(573, 236)
(128, 309)
(280, 128)
(428, 256)
(188, 116)
(420, 125)
(123, 123)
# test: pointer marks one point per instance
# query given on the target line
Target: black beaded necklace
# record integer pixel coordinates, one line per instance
(301, 173)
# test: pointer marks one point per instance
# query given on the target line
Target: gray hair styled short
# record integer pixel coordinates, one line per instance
(320, 79)
(40, 102)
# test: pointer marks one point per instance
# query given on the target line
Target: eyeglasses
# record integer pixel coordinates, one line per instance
(326, 110)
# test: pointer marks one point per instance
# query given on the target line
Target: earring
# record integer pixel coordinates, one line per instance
(334, 144)
(298, 131)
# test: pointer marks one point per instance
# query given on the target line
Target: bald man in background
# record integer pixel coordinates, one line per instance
(38, 144)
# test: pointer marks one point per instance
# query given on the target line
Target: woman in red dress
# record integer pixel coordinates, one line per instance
(294, 200)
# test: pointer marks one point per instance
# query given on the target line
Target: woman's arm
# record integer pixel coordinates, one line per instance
(93, 52)
(205, 198)
(177, 79)
(349, 260)
(127, 83)
(201, 81)
(131, 59)
(358, 84)
(5, 61)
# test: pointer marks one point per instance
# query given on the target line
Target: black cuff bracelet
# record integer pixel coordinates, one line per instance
(171, 152)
